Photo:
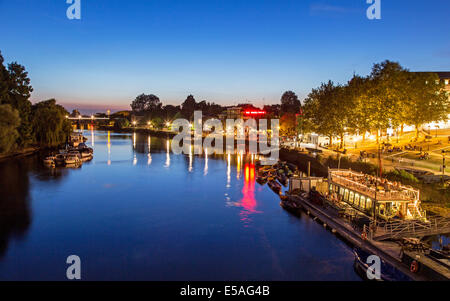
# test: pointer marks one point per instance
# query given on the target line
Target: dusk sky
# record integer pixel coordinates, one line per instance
(226, 51)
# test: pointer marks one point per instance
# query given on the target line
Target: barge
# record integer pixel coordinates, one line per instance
(361, 215)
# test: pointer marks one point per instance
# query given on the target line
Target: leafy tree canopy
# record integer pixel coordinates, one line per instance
(146, 103)
(9, 123)
(290, 103)
(50, 124)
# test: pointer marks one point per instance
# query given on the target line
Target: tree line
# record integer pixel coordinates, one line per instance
(150, 107)
(23, 124)
(389, 97)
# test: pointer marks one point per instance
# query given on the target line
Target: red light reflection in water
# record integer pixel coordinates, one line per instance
(248, 202)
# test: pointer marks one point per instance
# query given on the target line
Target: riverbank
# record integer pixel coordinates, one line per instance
(156, 133)
(22, 153)
(301, 161)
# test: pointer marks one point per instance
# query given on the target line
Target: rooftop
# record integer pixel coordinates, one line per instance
(367, 185)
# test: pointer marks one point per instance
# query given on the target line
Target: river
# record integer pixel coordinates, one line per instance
(139, 212)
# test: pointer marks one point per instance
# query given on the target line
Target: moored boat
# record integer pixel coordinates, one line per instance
(60, 159)
(50, 161)
(85, 154)
(75, 154)
(276, 187)
(387, 271)
(261, 180)
(282, 179)
(72, 159)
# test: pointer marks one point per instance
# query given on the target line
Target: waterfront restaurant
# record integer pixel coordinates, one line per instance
(362, 191)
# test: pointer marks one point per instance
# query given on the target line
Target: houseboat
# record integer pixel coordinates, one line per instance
(362, 191)
(76, 138)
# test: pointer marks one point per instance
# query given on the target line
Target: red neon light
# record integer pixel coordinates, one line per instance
(254, 113)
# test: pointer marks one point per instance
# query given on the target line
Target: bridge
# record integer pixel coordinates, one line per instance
(81, 122)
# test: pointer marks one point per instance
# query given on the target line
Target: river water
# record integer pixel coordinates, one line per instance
(139, 212)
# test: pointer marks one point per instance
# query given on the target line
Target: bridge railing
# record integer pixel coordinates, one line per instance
(416, 228)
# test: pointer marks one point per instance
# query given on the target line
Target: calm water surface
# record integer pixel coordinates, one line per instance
(138, 212)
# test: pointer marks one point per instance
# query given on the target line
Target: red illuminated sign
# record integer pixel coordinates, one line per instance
(254, 113)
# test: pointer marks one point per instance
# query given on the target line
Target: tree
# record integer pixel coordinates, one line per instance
(4, 81)
(426, 101)
(288, 124)
(177, 116)
(122, 123)
(49, 122)
(157, 123)
(146, 103)
(169, 111)
(188, 107)
(19, 92)
(272, 111)
(9, 122)
(75, 113)
(385, 95)
(290, 103)
(356, 91)
(326, 111)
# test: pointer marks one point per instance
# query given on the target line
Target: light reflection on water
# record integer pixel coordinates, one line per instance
(137, 211)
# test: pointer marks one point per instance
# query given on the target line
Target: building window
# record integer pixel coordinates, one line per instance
(356, 198)
(369, 204)
(361, 202)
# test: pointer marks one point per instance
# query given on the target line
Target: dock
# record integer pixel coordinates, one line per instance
(390, 252)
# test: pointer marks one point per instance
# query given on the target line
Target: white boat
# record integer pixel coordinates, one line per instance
(72, 159)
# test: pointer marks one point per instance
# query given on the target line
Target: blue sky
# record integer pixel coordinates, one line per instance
(225, 51)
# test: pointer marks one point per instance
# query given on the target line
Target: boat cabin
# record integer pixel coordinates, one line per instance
(362, 191)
